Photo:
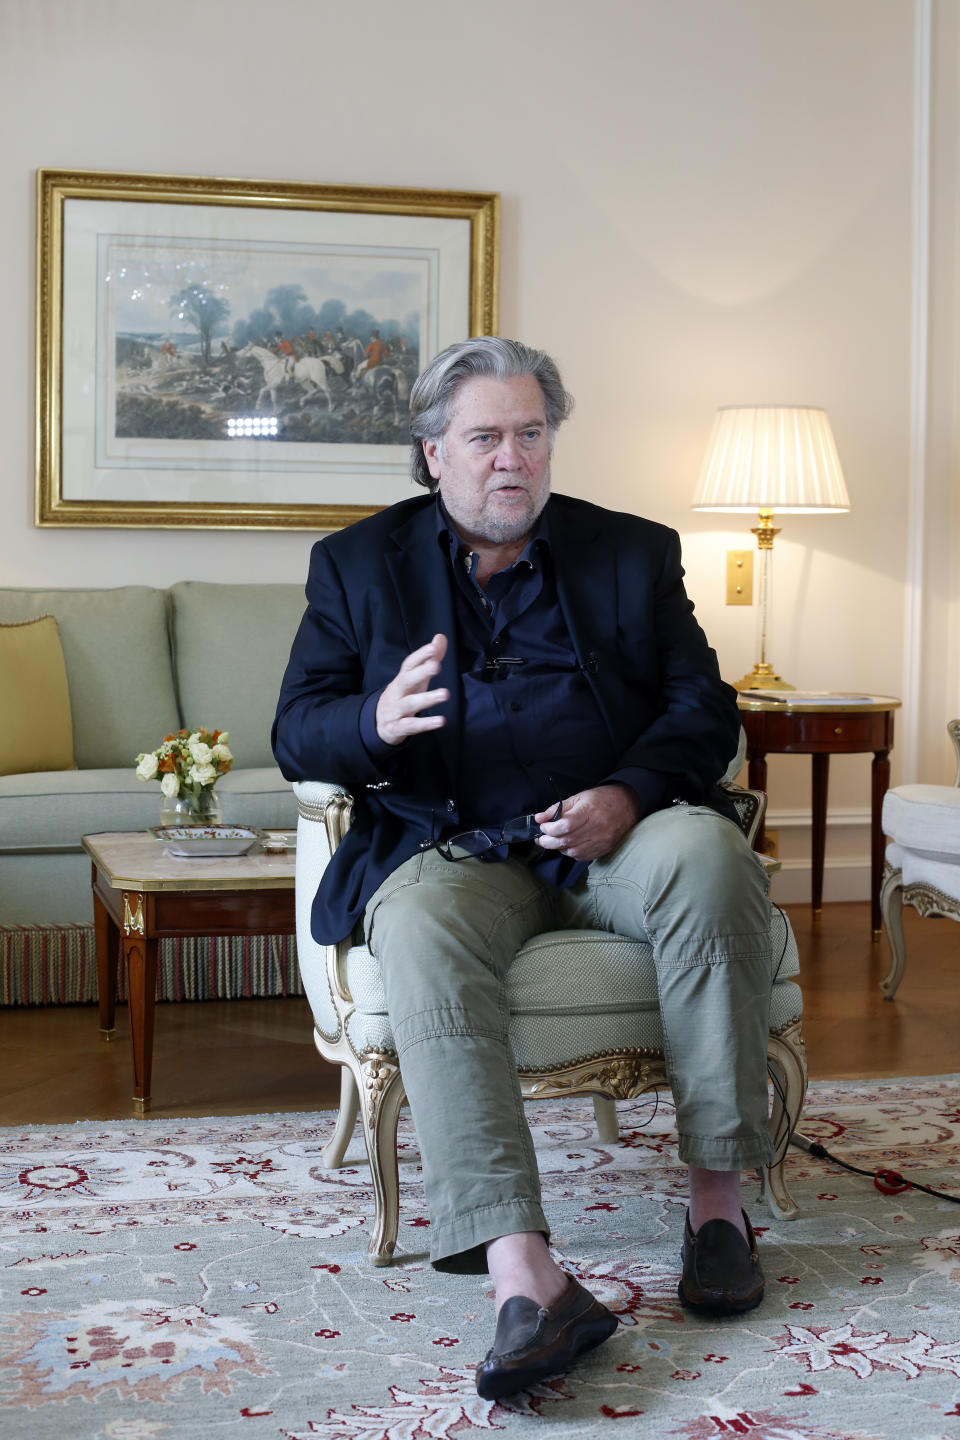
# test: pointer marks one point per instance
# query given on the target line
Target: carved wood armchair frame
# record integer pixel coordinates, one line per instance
(926, 899)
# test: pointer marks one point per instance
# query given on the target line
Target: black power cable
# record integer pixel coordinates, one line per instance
(888, 1182)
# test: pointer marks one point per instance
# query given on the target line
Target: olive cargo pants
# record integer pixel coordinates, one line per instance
(446, 933)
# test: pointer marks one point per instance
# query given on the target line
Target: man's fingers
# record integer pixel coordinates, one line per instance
(556, 842)
(434, 650)
(417, 724)
(407, 694)
(417, 700)
(593, 823)
(416, 678)
(570, 816)
(562, 834)
(419, 667)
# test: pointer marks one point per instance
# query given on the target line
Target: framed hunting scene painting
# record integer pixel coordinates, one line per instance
(225, 353)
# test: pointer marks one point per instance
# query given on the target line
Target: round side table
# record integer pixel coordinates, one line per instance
(821, 728)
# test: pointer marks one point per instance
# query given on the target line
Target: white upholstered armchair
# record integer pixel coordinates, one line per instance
(922, 869)
(584, 1020)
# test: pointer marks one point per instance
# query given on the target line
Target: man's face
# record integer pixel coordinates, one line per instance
(493, 462)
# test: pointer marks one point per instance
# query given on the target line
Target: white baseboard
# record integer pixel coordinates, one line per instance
(846, 872)
(839, 819)
(842, 880)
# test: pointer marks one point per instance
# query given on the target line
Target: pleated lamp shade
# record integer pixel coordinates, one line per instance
(772, 457)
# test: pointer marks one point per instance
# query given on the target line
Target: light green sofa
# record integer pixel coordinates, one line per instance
(141, 662)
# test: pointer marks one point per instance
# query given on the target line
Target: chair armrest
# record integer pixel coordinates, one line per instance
(953, 730)
(751, 806)
(326, 804)
(325, 811)
(736, 764)
(318, 793)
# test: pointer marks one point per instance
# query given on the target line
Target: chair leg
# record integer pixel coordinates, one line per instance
(336, 1147)
(891, 907)
(788, 1068)
(383, 1094)
(605, 1113)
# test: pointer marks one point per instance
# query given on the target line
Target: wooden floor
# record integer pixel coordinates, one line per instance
(257, 1056)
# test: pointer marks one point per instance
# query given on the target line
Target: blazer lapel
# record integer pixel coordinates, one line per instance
(586, 576)
(421, 576)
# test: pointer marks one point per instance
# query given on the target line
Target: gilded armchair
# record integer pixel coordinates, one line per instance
(584, 1020)
(922, 869)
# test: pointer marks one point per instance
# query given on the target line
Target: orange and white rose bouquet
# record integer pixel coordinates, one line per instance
(188, 762)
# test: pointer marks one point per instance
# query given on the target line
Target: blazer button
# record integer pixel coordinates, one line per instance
(451, 806)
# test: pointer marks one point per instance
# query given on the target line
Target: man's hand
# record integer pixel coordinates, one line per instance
(591, 824)
(398, 709)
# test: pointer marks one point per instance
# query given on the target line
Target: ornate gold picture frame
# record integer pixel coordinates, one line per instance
(236, 353)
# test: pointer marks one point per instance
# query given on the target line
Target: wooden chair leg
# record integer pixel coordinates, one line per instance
(605, 1114)
(336, 1147)
(382, 1095)
(788, 1068)
(891, 907)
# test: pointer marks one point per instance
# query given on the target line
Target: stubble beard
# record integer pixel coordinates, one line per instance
(514, 524)
(507, 530)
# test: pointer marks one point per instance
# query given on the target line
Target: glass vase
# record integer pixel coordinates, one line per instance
(192, 807)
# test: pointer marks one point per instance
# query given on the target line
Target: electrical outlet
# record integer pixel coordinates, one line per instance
(739, 577)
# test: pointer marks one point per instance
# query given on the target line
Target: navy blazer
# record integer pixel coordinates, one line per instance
(383, 587)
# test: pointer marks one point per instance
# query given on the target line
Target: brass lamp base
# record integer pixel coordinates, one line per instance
(762, 677)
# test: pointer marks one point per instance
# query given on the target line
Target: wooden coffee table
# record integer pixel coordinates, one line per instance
(143, 894)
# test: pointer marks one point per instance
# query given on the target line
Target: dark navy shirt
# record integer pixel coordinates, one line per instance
(533, 733)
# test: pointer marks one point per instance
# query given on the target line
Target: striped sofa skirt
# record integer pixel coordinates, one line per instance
(57, 965)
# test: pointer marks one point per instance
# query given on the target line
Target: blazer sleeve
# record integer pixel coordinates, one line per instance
(316, 732)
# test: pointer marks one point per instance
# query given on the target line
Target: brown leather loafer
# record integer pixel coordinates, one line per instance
(721, 1270)
(533, 1343)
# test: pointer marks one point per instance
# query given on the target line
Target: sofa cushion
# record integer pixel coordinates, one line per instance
(36, 732)
(117, 655)
(231, 644)
(51, 811)
(260, 797)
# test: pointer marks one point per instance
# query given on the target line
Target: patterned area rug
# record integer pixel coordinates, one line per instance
(171, 1280)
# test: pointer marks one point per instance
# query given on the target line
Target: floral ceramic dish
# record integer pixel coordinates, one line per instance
(186, 841)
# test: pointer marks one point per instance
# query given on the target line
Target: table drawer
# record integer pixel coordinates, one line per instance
(835, 733)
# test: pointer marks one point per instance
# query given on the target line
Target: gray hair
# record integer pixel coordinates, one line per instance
(435, 389)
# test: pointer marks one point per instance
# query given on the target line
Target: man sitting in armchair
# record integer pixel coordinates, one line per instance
(516, 689)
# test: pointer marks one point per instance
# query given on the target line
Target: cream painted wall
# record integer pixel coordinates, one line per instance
(703, 204)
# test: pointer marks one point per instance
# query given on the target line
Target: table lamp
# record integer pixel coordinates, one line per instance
(766, 458)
